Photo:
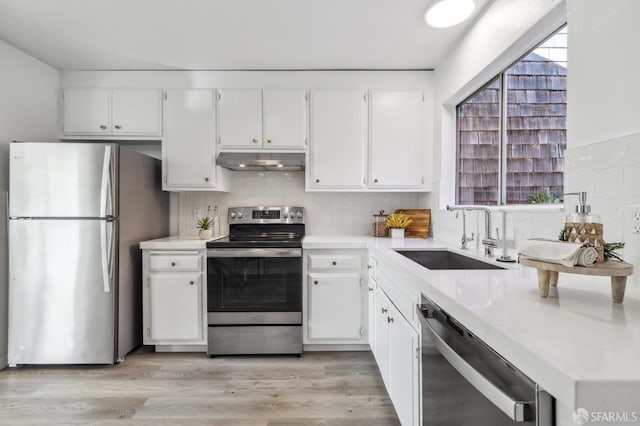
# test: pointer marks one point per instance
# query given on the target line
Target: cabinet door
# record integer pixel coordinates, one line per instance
(240, 119)
(137, 112)
(335, 307)
(188, 147)
(86, 111)
(284, 119)
(338, 139)
(396, 144)
(381, 352)
(175, 307)
(372, 313)
(404, 368)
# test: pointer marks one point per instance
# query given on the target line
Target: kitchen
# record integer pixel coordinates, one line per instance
(602, 148)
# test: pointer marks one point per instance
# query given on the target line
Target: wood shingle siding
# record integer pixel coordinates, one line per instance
(536, 135)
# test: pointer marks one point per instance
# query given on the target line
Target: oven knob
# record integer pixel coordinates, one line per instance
(299, 215)
(239, 215)
(285, 215)
(233, 215)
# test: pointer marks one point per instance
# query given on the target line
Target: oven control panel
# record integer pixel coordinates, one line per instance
(266, 215)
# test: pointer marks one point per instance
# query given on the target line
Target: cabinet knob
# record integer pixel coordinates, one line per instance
(173, 263)
(334, 263)
(384, 310)
(118, 127)
(389, 319)
(375, 181)
(370, 289)
(315, 282)
(190, 282)
(268, 140)
(317, 180)
(254, 140)
(206, 179)
(103, 127)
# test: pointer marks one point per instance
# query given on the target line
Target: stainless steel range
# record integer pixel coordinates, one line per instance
(254, 283)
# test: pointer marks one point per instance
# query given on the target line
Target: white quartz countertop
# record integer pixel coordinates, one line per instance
(177, 243)
(577, 344)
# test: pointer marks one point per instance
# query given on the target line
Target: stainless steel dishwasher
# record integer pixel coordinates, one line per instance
(465, 382)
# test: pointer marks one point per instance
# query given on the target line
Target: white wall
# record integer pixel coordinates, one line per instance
(501, 35)
(28, 111)
(328, 213)
(603, 84)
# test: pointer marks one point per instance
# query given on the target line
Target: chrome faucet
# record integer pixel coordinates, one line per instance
(489, 242)
(465, 239)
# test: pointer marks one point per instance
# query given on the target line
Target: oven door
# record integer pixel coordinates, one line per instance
(254, 280)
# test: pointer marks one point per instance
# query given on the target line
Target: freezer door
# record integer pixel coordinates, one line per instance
(61, 311)
(62, 180)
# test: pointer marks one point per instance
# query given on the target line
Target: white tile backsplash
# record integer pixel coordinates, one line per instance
(326, 212)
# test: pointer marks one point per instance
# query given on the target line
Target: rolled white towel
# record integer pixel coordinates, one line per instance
(561, 252)
(587, 256)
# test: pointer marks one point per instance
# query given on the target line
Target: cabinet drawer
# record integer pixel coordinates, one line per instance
(337, 262)
(175, 262)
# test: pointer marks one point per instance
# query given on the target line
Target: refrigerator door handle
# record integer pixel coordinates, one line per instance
(105, 186)
(104, 195)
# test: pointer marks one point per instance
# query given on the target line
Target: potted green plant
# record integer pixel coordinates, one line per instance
(204, 224)
(397, 222)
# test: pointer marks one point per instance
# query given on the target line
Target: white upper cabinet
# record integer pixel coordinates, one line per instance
(86, 111)
(338, 140)
(284, 118)
(396, 155)
(112, 113)
(188, 146)
(240, 118)
(254, 119)
(136, 112)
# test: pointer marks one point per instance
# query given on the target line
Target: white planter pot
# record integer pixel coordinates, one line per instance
(205, 234)
(397, 233)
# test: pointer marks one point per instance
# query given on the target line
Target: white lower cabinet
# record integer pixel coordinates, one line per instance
(397, 352)
(335, 298)
(174, 297)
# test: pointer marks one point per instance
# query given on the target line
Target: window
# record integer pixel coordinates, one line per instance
(512, 132)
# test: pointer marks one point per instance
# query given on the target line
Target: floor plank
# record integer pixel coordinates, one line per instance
(319, 388)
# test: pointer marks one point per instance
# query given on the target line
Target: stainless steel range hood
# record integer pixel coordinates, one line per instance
(261, 161)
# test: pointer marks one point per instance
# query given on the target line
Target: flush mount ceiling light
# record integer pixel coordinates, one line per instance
(447, 13)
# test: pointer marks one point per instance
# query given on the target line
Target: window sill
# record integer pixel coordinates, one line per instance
(528, 208)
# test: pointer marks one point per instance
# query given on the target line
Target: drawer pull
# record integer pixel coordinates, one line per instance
(173, 263)
(384, 310)
(389, 319)
(315, 282)
(334, 263)
(370, 289)
(190, 282)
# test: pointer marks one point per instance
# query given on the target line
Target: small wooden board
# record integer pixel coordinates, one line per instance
(419, 228)
(548, 274)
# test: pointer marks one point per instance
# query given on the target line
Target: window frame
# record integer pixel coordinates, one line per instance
(502, 128)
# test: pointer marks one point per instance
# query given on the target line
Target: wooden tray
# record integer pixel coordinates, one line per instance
(548, 274)
(419, 228)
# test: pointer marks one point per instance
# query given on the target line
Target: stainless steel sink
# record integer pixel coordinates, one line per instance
(444, 259)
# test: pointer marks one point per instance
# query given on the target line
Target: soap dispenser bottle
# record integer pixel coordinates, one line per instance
(583, 226)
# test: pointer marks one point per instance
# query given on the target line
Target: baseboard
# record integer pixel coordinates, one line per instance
(181, 348)
(337, 348)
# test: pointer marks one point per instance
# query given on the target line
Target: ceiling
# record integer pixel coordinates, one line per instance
(227, 34)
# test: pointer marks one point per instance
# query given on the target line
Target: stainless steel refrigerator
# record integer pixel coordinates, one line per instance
(77, 212)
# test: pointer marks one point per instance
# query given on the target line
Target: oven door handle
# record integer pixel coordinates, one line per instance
(514, 409)
(254, 252)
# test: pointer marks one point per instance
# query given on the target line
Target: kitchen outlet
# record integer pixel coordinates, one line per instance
(635, 222)
(197, 214)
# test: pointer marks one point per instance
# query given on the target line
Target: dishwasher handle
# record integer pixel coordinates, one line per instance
(514, 409)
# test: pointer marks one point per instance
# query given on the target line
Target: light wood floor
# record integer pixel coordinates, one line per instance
(320, 388)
